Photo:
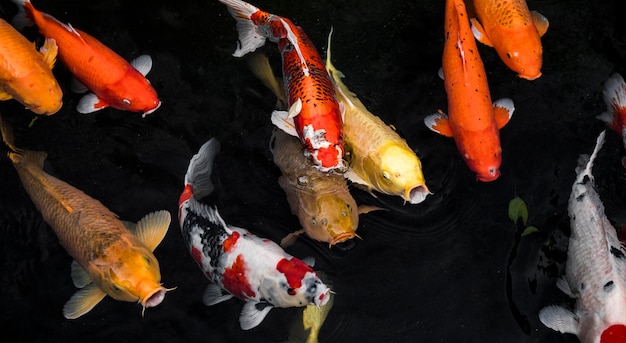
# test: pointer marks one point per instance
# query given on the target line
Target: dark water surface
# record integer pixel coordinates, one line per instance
(454, 268)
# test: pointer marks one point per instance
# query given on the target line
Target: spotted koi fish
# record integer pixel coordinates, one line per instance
(614, 94)
(239, 263)
(595, 271)
(314, 114)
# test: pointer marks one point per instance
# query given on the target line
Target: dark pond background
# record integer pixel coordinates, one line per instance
(454, 268)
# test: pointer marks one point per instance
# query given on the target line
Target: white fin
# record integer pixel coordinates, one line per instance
(249, 38)
(559, 319)
(614, 94)
(564, 286)
(143, 64)
(83, 301)
(585, 165)
(80, 277)
(213, 294)
(88, 103)
(152, 228)
(200, 168)
(440, 73)
(282, 121)
(295, 109)
(77, 86)
(439, 123)
(251, 317)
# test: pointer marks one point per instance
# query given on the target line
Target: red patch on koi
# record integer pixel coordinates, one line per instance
(614, 334)
(196, 254)
(294, 271)
(230, 242)
(235, 280)
(184, 196)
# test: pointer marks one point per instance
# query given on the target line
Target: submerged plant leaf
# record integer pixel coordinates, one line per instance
(529, 230)
(518, 210)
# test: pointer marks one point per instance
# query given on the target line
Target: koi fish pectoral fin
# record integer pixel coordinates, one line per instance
(90, 103)
(503, 111)
(438, 122)
(560, 319)
(143, 64)
(152, 228)
(253, 314)
(80, 277)
(282, 121)
(291, 238)
(213, 294)
(83, 301)
(5, 96)
(49, 52)
(295, 109)
(541, 22)
(479, 32)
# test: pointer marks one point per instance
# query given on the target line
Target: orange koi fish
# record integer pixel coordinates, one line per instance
(113, 81)
(109, 259)
(514, 31)
(472, 119)
(614, 93)
(25, 74)
(314, 114)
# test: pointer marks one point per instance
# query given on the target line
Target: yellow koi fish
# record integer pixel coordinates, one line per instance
(379, 158)
(108, 258)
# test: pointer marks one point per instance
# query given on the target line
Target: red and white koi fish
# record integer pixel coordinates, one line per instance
(26, 74)
(113, 81)
(595, 271)
(615, 99)
(514, 31)
(472, 119)
(237, 262)
(314, 114)
(109, 257)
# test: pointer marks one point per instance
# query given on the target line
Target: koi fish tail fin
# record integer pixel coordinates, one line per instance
(200, 167)
(615, 99)
(21, 19)
(17, 155)
(250, 36)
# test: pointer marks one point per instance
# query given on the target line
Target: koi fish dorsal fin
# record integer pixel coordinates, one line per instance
(83, 301)
(80, 277)
(503, 111)
(479, 32)
(438, 122)
(541, 22)
(251, 315)
(143, 64)
(49, 52)
(152, 228)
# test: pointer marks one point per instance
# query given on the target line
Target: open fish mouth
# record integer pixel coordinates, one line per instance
(154, 298)
(342, 237)
(416, 194)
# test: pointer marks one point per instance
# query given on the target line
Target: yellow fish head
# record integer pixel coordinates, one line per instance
(334, 221)
(397, 171)
(525, 59)
(43, 97)
(135, 276)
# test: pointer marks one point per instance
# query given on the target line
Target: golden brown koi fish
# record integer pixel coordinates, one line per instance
(109, 259)
(379, 158)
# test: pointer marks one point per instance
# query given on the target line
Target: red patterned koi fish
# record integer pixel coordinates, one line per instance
(113, 81)
(615, 99)
(314, 114)
(237, 262)
(472, 119)
(514, 31)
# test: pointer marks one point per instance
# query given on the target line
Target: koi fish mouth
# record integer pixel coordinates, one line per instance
(342, 237)
(530, 77)
(492, 175)
(416, 194)
(152, 110)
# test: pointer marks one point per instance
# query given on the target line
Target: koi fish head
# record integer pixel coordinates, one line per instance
(333, 219)
(296, 285)
(134, 276)
(526, 60)
(396, 170)
(484, 160)
(137, 95)
(43, 97)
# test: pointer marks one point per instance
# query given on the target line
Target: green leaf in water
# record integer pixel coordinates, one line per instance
(529, 230)
(518, 210)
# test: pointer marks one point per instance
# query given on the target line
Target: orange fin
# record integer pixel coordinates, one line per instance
(363, 209)
(503, 111)
(152, 228)
(479, 32)
(49, 52)
(83, 301)
(291, 238)
(438, 122)
(541, 22)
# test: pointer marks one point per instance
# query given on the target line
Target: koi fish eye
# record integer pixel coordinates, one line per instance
(386, 175)
(324, 222)
(314, 221)
(291, 291)
(288, 48)
(126, 101)
(508, 55)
